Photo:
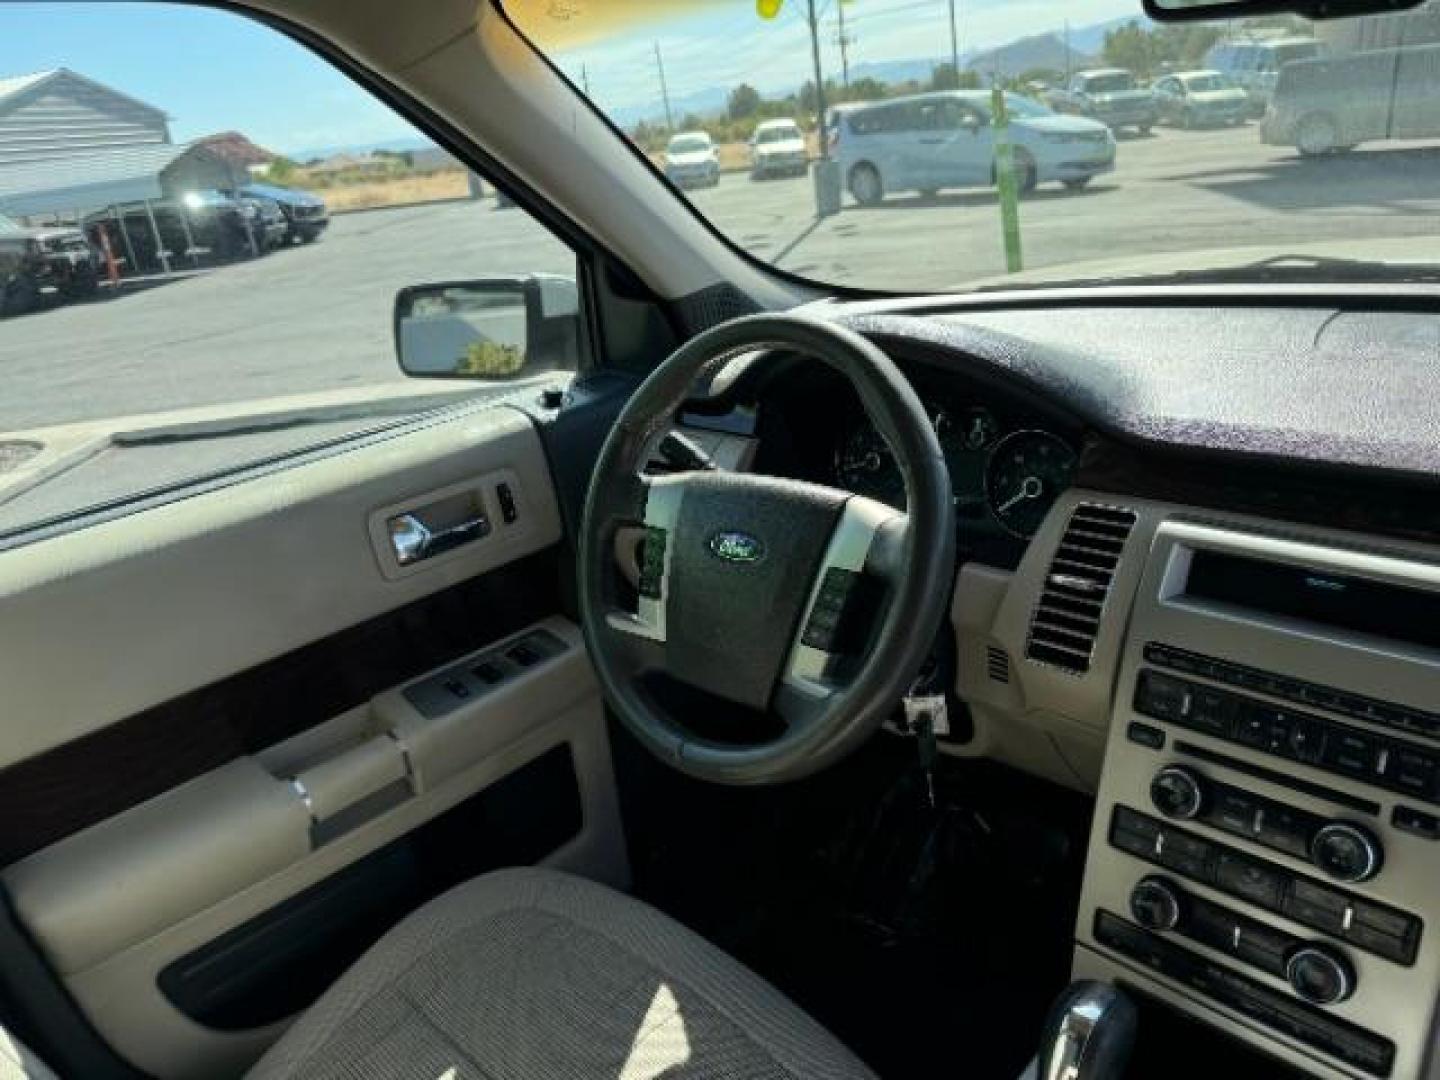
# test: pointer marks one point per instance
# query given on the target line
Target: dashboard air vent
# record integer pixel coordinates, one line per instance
(997, 664)
(1067, 618)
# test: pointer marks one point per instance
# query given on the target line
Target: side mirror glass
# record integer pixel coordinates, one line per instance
(498, 328)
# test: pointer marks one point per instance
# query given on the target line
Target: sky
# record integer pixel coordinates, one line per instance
(209, 70)
(728, 43)
(217, 71)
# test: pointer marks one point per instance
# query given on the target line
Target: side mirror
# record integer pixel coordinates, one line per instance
(496, 328)
(970, 123)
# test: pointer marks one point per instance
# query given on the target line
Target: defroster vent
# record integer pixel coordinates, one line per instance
(1067, 618)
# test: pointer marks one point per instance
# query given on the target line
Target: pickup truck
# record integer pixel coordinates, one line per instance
(36, 262)
(1111, 96)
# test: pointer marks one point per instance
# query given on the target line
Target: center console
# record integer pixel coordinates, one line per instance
(1266, 848)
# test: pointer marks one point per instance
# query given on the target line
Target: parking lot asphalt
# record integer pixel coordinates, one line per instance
(318, 317)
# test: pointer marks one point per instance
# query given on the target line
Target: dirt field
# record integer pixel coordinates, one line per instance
(392, 191)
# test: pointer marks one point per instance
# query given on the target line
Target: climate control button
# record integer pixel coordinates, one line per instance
(1155, 903)
(1320, 975)
(1178, 792)
(1346, 852)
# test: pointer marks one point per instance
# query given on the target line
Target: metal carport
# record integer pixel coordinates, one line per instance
(79, 184)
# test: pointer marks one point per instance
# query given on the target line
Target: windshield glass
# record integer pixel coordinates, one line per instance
(1338, 172)
(1202, 84)
(1109, 84)
(778, 134)
(692, 144)
(1024, 107)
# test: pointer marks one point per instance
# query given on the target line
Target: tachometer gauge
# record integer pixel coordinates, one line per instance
(864, 465)
(1027, 472)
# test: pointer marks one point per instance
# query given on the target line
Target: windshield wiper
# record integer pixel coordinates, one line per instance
(1276, 269)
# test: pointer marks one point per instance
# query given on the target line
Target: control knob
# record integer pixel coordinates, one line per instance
(1319, 974)
(1178, 792)
(1346, 852)
(1155, 903)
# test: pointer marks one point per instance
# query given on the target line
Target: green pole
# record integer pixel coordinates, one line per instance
(1005, 181)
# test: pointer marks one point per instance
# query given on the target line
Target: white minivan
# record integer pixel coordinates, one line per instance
(946, 140)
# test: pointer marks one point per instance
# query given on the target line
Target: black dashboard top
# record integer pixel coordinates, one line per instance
(1315, 384)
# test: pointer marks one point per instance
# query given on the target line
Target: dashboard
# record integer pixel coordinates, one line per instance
(1199, 581)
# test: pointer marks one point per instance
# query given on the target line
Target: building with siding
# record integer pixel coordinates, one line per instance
(56, 114)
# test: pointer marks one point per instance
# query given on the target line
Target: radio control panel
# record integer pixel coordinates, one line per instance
(1266, 846)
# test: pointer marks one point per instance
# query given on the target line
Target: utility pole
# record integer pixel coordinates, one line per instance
(665, 93)
(844, 40)
(819, 82)
(585, 79)
(1067, 52)
(954, 45)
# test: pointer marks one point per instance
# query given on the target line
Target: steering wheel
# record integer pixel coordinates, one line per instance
(748, 584)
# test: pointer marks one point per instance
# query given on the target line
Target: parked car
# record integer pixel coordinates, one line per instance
(1254, 65)
(1324, 106)
(1192, 99)
(44, 261)
(691, 161)
(306, 216)
(201, 225)
(777, 148)
(944, 140)
(1110, 95)
(265, 215)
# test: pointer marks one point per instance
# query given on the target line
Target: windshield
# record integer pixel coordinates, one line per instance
(1202, 84)
(690, 144)
(1341, 169)
(778, 134)
(1295, 50)
(1109, 84)
(1024, 107)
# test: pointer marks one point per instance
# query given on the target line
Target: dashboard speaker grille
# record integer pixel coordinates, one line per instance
(1067, 617)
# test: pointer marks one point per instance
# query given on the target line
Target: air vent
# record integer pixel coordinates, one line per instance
(997, 663)
(1067, 618)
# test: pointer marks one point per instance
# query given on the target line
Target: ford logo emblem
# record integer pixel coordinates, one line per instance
(736, 547)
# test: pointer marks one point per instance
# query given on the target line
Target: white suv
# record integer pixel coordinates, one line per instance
(778, 149)
(691, 161)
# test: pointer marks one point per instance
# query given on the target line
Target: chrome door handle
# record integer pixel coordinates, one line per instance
(413, 540)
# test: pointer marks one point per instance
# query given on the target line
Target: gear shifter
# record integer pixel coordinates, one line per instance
(1088, 1035)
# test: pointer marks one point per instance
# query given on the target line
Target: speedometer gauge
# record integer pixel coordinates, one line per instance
(1027, 472)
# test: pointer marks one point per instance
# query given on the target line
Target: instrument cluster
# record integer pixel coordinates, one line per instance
(1005, 474)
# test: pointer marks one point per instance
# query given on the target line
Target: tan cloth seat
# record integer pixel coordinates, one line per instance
(533, 975)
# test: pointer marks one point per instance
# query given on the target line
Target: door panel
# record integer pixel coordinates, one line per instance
(276, 755)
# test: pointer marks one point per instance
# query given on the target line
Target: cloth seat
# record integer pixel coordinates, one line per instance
(537, 975)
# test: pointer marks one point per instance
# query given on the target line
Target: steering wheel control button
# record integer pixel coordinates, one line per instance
(1177, 792)
(652, 563)
(1321, 975)
(1346, 852)
(1155, 904)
